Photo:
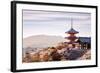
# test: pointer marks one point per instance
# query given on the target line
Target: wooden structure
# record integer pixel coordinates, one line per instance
(72, 34)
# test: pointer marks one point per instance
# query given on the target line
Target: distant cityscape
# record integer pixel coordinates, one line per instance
(72, 49)
(44, 48)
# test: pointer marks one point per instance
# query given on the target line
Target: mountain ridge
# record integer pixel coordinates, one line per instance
(42, 41)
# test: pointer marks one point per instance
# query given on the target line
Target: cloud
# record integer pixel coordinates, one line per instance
(51, 22)
(52, 16)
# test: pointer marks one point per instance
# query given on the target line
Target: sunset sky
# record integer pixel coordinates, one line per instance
(55, 23)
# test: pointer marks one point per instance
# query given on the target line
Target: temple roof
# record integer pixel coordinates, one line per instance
(72, 31)
(85, 39)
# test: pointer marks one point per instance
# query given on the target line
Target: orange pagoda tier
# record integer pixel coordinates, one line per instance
(72, 34)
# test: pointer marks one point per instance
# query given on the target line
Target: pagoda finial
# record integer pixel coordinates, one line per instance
(71, 23)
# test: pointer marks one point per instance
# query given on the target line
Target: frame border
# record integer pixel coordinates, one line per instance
(13, 35)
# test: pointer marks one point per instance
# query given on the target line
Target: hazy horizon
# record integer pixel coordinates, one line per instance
(55, 23)
(52, 36)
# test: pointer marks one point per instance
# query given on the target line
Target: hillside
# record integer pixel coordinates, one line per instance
(42, 41)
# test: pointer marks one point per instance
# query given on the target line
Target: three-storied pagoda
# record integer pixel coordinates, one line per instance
(72, 34)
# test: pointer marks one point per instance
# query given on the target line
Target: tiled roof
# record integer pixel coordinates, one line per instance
(85, 39)
(72, 31)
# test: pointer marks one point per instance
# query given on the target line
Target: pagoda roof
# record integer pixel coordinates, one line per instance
(72, 31)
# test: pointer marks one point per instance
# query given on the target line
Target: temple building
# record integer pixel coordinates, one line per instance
(72, 34)
(85, 42)
(82, 42)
